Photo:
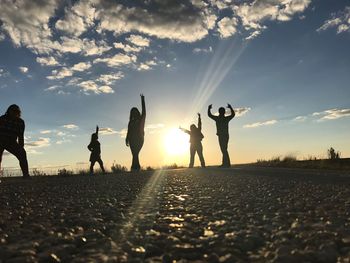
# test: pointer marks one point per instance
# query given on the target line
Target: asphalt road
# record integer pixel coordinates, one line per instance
(189, 215)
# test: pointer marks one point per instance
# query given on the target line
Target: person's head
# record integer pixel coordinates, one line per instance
(134, 114)
(94, 137)
(193, 127)
(13, 111)
(222, 111)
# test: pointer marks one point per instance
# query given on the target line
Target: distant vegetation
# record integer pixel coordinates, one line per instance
(333, 161)
(117, 168)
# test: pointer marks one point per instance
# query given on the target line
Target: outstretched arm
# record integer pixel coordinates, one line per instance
(211, 116)
(143, 114)
(199, 122)
(184, 130)
(97, 129)
(232, 111)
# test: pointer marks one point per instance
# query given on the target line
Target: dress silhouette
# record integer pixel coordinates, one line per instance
(136, 133)
(222, 122)
(95, 149)
(12, 137)
(196, 138)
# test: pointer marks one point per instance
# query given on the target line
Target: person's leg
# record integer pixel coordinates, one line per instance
(21, 155)
(100, 162)
(135, 150)
(1, 153)
(192, 153)
(200, 154)
(223, 141)
(92, 163)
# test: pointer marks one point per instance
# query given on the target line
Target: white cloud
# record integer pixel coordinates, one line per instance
(122, 133)
(60, 74)
(259, 124)
(46, 131)
(241, 111)
(23, 69)
(82, 66)
(90, 86)
(108, 79)
(70, 126)
(2, 37)
(227, 27)
(117, 60)
(138, 40)
(127, 48)
(47, 61)
(340, 21)
(203, 50)
(332, 114)
(300, 118)
(107, 131)
(147, 65)
(41, 142)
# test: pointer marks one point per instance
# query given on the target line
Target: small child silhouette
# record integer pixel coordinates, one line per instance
(95, 149)
(196, 138)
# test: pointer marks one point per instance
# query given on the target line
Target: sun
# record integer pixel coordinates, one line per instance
(176, 142)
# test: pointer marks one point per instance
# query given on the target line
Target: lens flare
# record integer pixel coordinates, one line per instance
(176, 142)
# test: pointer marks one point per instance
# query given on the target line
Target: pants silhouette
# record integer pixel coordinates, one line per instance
(199, 149)
(223, 141)
(136, 146)
(18, 151)
(99, 161)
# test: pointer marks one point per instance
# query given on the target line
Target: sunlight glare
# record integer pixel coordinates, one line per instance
(176, 142)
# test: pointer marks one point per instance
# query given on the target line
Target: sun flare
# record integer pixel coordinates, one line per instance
(176, 142)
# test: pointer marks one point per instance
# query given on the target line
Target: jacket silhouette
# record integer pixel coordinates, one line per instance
(12, 137)
(222, 132)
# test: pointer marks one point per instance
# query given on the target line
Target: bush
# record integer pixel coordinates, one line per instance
(332, 154)
(37, 172)
(64, 172)
(117, 168)
(149, 168)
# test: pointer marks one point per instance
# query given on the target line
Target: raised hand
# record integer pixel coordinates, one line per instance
(142, 96)
(97, 129)
(229, 105)
(210, 106)
(199, 115)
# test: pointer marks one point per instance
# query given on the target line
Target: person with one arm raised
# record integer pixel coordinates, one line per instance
(95, 149)
(136, 133)
(222, 132)
(196, 138)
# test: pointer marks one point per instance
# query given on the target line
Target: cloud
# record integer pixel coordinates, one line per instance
(127, 48)
(90, 86)
(332, 114)
(2, 37)
(41, 142)
(122, 133)
(82, 66)
(138, 40)
(202, 50)
(227, 27)
(71, 126)
(259, 124)
(46, 131)
(117, 60)
(23, 69)
(109, 79)
(60, 74)
(47, 61)
(107, 131)
(146, 65)
(340, 21)
(300, 118)
(241, 111)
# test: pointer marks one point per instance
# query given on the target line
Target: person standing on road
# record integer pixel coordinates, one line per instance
(196, 138)
(136, 133)
(95, 149)
(12, 137)
(222, 122)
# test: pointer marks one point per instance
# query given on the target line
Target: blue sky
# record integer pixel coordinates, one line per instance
(283, 64)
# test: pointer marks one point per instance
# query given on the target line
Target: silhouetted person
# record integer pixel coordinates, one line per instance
(136, 133)
(12, 137)
(222, 131)
(95, 149)
(196, 138)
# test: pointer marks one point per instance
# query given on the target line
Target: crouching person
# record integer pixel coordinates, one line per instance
(12, 137)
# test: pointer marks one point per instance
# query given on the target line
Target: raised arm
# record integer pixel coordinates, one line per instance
(199, 122)
(211, 116)
(143, 114)
(232, 111)
(97, 129)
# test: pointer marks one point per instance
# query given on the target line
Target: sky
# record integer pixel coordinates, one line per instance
(71, 65)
